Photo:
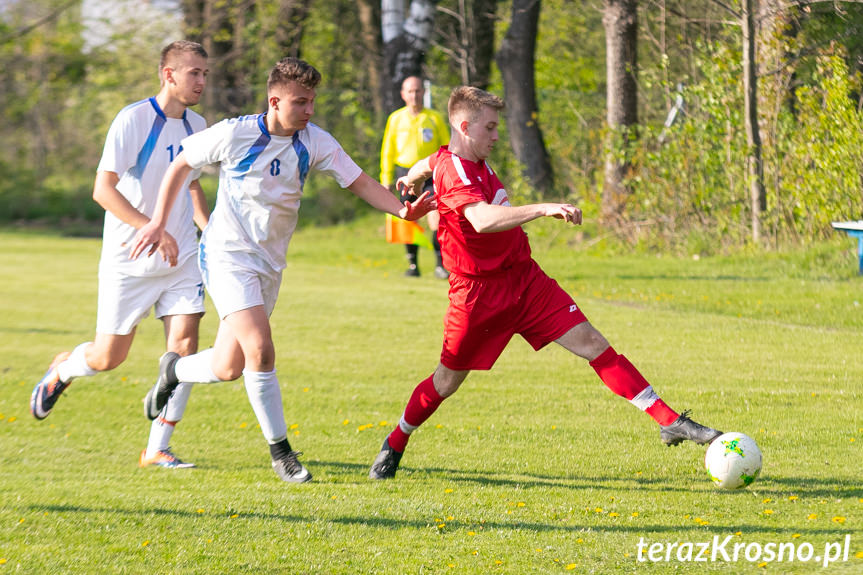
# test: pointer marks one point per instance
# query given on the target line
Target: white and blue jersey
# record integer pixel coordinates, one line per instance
(141, 144)
(261, 183)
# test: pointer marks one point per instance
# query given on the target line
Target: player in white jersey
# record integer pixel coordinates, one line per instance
(142, 141)
(265, 160)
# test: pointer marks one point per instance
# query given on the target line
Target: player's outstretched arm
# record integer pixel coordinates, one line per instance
(377, 196)
(489, 218)
(150, 236)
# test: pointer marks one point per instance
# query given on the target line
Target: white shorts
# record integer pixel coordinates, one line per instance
(238, 281)
(125, 300)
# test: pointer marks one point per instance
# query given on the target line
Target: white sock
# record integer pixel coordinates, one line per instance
(163, 426)
(76, 365)
(197, 368)
(266, 399)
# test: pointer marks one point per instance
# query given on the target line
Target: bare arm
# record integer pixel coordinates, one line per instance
(107, 195)
(199, 204)
(377, 196)
(416, 177)
(151, 234)
(488, 218)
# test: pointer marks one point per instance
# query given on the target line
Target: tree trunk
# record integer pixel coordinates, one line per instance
(515, 60)
(620, 19)
(484, 18)
(370, 26)
(405, 44)
(754, 160)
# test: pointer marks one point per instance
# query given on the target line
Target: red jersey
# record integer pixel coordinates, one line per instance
(459, 182)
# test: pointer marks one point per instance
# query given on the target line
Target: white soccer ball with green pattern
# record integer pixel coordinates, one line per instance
(733, 460)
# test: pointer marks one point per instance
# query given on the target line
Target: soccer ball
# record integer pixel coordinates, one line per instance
(733, 461)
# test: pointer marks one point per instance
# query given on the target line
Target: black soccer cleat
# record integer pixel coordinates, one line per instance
(165, 385)
(289, 468)
(386, 463)
(683, 428)
(48, 390)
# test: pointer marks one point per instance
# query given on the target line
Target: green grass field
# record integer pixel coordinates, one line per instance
(534, 467)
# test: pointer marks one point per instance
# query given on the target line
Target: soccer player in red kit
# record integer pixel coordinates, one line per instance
(497, 290)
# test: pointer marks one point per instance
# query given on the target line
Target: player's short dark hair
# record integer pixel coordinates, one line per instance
(180, 47)
(471, 100)
(292, 69)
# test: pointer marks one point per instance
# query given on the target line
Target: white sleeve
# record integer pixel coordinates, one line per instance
(118, 154)
(207, 146)
(329, 157)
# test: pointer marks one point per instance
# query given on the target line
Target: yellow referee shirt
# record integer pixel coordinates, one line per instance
(408, 139)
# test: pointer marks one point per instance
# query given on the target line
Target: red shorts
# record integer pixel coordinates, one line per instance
(484, 314)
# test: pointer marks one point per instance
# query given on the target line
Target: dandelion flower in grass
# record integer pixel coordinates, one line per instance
(345, 422)
(294, 426)
(838, 519)
(145, 543)
(383, 423)
(812, 516)
(635, 514)
(3, 560)
(199, 510)
(571, 566)
(451, 565)
(448, 490)
(498, 562)
(471, 533)
(859, 555)
(244, 425)
(768, 512)
(767, 500)
(235, 515)
(793, 498)
(439, 426)
(12, 418)
(305, 389)
(449, 517)
(795, 536)
(579, 540)
(334, 497)
(598, 510)
(520, 504)
(613, 514)
(762, 565)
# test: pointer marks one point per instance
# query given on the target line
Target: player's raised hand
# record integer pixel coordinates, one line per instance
(565, 212)
(404, 187)
(148, 238)
(417, 209)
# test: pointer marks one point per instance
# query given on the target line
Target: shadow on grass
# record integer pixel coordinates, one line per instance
(563, 526)
(801, 486)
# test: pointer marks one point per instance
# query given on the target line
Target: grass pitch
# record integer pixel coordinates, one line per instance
(534, 467)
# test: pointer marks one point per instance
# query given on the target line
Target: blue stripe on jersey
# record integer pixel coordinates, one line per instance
(144, 154)
(303, 156)
(187, 125)
(254, 151)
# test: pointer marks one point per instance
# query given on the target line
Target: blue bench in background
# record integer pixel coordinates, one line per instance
(855, 230)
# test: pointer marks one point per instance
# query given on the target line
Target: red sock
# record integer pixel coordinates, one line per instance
(423, 402)
(622, 378)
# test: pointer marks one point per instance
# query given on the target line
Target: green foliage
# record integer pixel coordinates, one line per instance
(690, 193)
(820, 173)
